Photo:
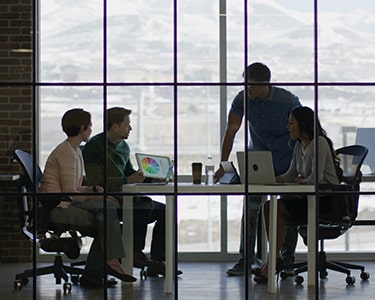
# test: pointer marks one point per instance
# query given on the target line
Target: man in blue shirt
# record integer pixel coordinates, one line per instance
(268, 109)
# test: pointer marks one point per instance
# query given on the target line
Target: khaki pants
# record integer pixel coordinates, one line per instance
(88, 218)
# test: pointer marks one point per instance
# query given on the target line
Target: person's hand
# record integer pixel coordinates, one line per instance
(114, 200)
(279, 179)
(136, 177)
(300, 180)
(157, 180)
(218, 174)
(99, 189)
(64, 204)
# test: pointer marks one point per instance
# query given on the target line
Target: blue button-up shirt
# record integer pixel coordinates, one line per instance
(268, 121)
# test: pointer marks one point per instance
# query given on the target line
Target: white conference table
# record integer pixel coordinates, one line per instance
(201, 189)
(368, 177)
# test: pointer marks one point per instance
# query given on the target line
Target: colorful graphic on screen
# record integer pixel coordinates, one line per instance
(150, 165)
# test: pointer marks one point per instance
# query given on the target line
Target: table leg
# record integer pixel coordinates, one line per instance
(169, 242)
(127, 233)
(311, 240)
(271, 285)
(264, 239)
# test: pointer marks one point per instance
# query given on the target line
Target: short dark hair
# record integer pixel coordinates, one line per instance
(74, 119)
(258, 71)
(116, 115)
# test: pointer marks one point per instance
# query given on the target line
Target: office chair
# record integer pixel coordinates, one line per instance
(337, 215)
(48, 239)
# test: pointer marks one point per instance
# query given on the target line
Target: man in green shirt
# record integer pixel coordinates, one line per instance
(121, 171)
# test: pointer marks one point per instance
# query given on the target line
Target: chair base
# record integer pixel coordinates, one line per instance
(325, 264)
(58, 269)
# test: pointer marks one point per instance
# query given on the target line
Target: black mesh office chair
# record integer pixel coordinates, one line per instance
(49, 238)
(338, 217)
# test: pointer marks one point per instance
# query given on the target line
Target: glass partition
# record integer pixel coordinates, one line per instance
(162, 61)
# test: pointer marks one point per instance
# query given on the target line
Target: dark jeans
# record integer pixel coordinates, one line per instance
(287, 252)
(147, 211)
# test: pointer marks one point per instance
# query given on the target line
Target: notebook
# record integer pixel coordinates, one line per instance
(155, 166)
(260, 167)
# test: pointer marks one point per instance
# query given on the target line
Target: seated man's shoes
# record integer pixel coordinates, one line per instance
(237, 270)
(256, 271)
(140, 260)
(95, 282)
(260, 279)
(158, 269)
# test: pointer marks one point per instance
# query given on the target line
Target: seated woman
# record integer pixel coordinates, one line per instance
(63, 173)
(292, 209)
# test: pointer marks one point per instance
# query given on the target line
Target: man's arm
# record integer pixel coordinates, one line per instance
(233, 125)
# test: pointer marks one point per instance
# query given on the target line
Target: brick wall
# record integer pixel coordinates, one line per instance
(15, 118)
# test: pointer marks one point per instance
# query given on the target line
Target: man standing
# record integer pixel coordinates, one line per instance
(120, 171)
(267, 116)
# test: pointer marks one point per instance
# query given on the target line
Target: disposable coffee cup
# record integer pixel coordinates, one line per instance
(197, 172)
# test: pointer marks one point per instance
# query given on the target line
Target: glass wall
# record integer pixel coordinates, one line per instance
(163, 60)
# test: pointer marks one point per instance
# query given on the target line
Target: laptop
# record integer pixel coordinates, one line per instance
(366, 137)
(155, 166)
(260, 167)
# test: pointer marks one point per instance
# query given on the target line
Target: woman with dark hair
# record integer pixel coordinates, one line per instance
(63, 173)
(292, 209)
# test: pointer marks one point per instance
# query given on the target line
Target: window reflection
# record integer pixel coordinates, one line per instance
(140, 75)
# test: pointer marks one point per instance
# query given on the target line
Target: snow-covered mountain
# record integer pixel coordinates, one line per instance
(140, 48)
(140, 34)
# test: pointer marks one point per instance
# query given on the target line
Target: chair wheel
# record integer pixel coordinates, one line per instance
(298, 279)
(67, 288)
(350, 280)
(143, 274)
(323, 274)
(365, 275)
(74, 278)
(17, 285)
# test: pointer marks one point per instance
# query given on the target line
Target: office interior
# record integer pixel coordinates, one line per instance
(177, 65)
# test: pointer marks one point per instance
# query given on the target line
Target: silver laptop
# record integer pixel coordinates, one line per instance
(260, 167)
(155, 166)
